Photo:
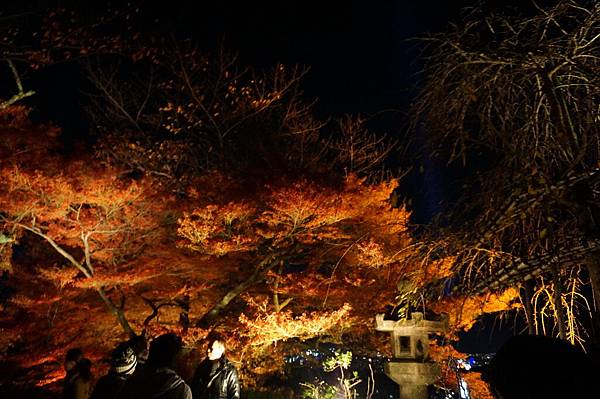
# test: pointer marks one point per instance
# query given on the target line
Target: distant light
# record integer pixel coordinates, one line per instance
(466, 365)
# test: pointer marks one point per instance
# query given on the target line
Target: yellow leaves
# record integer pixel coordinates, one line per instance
(194, 336)
(84, 211)
(371, 203)
(305, 212)
(265, 101)
(439, 269)
(32, 193)
(441, 355)
(61, 197)
(268, 327)
(477, 387)
(111, 279)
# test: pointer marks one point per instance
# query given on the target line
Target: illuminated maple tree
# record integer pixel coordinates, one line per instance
(291, 261)
(319, 226)
(79, 229)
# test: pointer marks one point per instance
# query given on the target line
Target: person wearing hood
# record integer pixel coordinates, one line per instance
(123, 363)
(216, 377)
(158, 380)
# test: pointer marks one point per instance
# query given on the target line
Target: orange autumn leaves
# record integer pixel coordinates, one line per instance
(218, 230)
(80, 207)
(464, 311)
(352, 246)
(330, 226)
(303, 211)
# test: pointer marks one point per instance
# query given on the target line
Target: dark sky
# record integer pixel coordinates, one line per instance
(357, 50)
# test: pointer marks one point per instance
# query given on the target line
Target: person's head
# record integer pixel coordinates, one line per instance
(532, 367)
(123, 360)
(164, 350)
(84, 368)
(216, 347)
(139, 344)
(72, 357)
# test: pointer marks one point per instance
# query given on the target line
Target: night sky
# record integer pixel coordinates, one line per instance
(359, 57)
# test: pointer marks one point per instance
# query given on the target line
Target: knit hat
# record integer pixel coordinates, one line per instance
(123, 360)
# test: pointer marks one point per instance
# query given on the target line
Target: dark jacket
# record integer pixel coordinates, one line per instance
(76, 386)
(109, 386)
(155, 383)
(216, 380)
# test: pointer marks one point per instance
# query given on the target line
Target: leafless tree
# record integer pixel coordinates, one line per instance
(181, 112)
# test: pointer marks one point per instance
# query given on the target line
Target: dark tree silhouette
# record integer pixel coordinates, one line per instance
(514, 97)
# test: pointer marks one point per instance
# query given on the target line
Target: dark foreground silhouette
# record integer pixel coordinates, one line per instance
(538, 367)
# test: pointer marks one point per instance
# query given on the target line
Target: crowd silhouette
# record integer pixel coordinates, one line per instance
(137, 371)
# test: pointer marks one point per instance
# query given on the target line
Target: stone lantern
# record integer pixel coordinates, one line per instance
(410, 367)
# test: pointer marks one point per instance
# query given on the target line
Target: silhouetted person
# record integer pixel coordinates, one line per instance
(216, 377)
(122, 365)
(158, 380)
(78, 381)
(537, 367)
(139, 344)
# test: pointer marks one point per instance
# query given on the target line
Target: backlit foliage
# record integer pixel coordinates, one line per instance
(578, 307)
(300, 244)
(478, 389)
(267, 328)
(213, 200)
(463, 312)
(302, 222)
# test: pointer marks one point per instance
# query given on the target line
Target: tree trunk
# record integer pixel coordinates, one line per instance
(88, 273)
(276, 303)
(118, 312)
(258, 276)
